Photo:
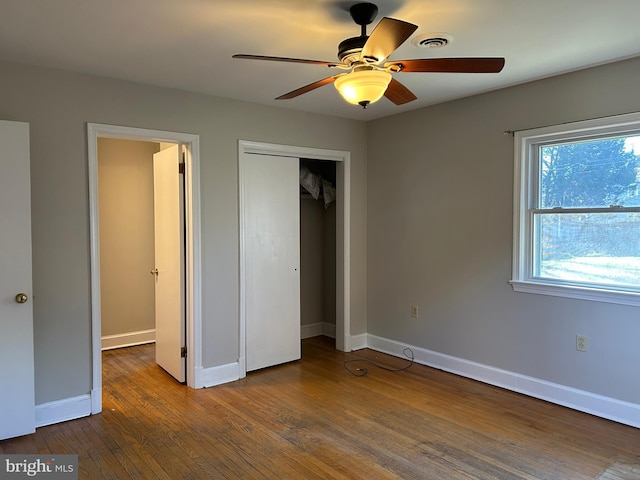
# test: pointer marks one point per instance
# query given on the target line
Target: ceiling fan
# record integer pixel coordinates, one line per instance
(365, 59)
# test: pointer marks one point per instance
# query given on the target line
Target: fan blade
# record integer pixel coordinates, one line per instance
(398, 93)
(449, 65)
(388, 35)
(284, 59)
(306, 88)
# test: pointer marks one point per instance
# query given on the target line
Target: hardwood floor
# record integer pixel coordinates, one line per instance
(313, 420)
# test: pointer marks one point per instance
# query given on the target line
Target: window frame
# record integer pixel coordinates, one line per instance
(526, 178)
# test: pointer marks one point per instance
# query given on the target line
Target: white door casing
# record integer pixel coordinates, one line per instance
(343, 237)
(169, 305)
(17, 389)
(193, 284)
(271, 223)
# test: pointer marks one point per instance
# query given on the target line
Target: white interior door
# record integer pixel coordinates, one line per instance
(17, 399)
(169, 248)
(271, 230)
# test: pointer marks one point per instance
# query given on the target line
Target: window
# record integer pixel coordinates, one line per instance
(577, 210)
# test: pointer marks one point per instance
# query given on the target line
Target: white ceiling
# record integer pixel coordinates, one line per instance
(188, 44)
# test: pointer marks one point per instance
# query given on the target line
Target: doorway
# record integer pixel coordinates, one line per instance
(190, 144)
(141, 206)
(342, 159)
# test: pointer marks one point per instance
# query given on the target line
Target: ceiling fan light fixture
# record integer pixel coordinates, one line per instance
(363, 87)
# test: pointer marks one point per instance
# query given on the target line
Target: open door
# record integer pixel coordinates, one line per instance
(169, 264)
(17, 398)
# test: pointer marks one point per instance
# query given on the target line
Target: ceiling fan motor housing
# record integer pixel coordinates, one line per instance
(349, 49)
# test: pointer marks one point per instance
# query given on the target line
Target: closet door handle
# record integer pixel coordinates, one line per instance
(154, 272)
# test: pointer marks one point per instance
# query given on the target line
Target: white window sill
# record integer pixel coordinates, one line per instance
(582, 293)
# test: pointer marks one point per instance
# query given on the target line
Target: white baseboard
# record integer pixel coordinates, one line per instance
(128, 339)
(606, 407)
(594, 404)
(85, 405)
(63, 410)
(358, 342)
(212, 376)
(317, 329)
(96, 401)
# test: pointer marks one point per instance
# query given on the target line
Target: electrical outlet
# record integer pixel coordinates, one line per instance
(414, 311)
(581, 343)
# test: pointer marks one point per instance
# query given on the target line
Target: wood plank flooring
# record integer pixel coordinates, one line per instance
(311, 419)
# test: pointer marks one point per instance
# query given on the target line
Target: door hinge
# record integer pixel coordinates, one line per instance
(183, 352)
(181, 167)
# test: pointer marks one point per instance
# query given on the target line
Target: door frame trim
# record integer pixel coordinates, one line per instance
(343, 234)
(193, 298)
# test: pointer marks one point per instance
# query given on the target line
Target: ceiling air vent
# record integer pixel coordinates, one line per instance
(432, 40)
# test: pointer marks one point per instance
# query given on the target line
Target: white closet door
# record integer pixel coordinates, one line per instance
(271, 247)
(17, 399)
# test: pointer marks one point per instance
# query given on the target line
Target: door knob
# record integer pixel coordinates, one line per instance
(154, 272)
(22, 298)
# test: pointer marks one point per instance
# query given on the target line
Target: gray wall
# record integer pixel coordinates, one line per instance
(57, 106)
(329, 263)
(440, 187)
(125, 189)
(317, 261)
(311, 247)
